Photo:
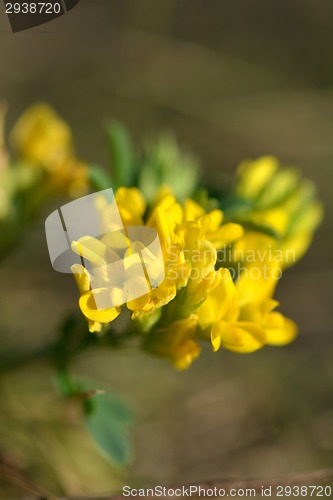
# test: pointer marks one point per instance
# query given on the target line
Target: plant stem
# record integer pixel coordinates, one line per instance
(69, 344)
(9, 362)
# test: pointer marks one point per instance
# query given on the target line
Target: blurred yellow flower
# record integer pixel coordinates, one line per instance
(280, 200)
(44, 140)
(14, 178)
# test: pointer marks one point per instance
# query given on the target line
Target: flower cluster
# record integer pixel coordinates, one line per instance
(198, 300)
(223, 257)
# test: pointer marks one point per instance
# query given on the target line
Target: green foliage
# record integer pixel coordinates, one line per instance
(238, 208)
(106, 416)
(202, 196)
(120, 151)
(164, 164)
(107, 419)
(161, 164)
(261, 228)
(234, 206)
(99, 179)
(66, 386)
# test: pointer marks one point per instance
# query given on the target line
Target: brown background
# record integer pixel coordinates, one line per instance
(232, 79)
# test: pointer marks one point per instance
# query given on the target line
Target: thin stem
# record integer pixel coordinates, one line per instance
(70, 343)
(10, 361)
(16, 477)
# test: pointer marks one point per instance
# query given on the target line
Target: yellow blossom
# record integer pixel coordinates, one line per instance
(243, 326)
(96, 318)
(199, 299)
(187, 240)
(176, 342)
(280, 200)
(44, 140)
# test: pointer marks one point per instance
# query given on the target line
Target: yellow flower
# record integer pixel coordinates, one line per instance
(132, 206)
(253, 176)
(280, 200)
(44, 140)
(187, 245)
(96, 318)
(196, 301)
(176, 342)
(41, 137)
(14, 178)
(243, 324)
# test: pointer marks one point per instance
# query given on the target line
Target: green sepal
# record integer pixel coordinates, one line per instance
(99, 179)
(121, 157)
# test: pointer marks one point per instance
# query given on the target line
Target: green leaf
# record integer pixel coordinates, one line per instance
(164, 163)
(107, 419)
(123, 171)
(66, 386)
(99, 179)
(204, 199)
(239, 210)
(260, 228)
(235, 206)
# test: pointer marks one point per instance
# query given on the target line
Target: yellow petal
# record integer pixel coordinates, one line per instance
(280, 330)
(90, 249)
(192, 210)
(198, 290)
(282, 185)
(89, 309)
(95, 327)
(221, 303)
(228, 233)
(211, 221)
(276, 218)
(215, 336)
(311, 217)
(131, 199)
(294, 247)
(257, 281)
(186, 353)
(141, 303)
(254, 175)
(242, 337)
(117, 296)
(82, 277)
(256, 312)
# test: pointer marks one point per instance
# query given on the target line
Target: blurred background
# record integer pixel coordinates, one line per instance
(232, 80)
